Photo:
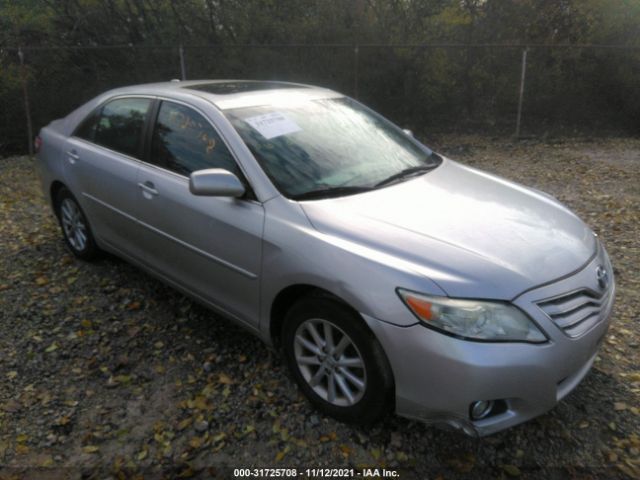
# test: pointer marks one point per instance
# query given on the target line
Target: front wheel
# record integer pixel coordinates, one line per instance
(337, 361)
(75, 226)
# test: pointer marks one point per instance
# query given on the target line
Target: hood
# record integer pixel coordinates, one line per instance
(474, 234)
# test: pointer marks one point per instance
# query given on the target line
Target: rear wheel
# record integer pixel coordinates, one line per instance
(336, 361)
(75, 226)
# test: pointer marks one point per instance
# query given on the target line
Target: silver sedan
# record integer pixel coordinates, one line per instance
(389, 276)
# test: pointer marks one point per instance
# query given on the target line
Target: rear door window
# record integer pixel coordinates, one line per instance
(87, 129)
(184, 141)
(121, 125)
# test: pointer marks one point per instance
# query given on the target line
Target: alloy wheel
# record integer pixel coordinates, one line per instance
(73, 223)
(330, 362)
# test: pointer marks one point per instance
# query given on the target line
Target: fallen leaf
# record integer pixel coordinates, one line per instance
(143, 454)
(463, 462)
(22, 449)
(199, 402)
(64, 420)
(90, 449)
(186, 473)
(248, 429)
(208, 390)
(184, 423)
(122, 378)
(11, 406)
(618, 406)
(511, 470)
(196, 442)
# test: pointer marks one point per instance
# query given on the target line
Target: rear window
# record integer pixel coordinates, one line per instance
(117, 125)
(87, 129)
(121, 124)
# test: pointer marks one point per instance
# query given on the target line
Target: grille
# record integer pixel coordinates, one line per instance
(576, 312)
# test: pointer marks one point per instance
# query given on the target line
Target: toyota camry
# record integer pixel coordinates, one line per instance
(390, 277)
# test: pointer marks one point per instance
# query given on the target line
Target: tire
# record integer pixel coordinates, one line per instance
(371, 384)
(76, 229)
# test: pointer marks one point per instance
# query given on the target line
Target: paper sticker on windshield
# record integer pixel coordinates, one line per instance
(274, 124)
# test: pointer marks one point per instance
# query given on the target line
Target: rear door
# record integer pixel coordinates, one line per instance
(102, 160)
(211, 246)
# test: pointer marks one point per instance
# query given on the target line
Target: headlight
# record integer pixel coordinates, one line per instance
(473, 319)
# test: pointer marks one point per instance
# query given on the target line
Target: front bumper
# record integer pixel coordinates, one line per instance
(438, 377)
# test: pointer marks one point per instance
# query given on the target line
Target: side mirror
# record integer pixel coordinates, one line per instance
(215, 182)
(407, 132)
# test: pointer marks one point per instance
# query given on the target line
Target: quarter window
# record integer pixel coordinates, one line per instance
(121, 124)
(184, 141)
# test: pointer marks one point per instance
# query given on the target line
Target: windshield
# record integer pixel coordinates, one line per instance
(328, 147)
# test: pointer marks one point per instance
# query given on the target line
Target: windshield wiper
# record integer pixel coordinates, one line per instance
(328, 192)
(406, 173)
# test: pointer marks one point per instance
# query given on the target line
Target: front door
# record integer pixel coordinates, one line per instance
(210, 245)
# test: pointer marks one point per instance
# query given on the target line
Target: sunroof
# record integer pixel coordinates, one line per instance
(226, 88)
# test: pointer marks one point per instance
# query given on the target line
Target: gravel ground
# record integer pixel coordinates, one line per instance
(105, 372)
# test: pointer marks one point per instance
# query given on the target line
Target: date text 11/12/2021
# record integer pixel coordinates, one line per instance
(313, 473)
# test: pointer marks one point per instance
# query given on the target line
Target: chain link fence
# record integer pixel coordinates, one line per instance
(429, 88)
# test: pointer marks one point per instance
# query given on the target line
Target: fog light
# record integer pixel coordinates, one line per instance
(480, 409)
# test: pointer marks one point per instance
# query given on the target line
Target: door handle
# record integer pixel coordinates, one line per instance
(73, 156)
(148, 187)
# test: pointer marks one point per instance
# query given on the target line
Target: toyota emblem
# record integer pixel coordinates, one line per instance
(603, 277)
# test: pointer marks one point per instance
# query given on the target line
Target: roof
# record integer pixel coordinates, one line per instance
(227, 94)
